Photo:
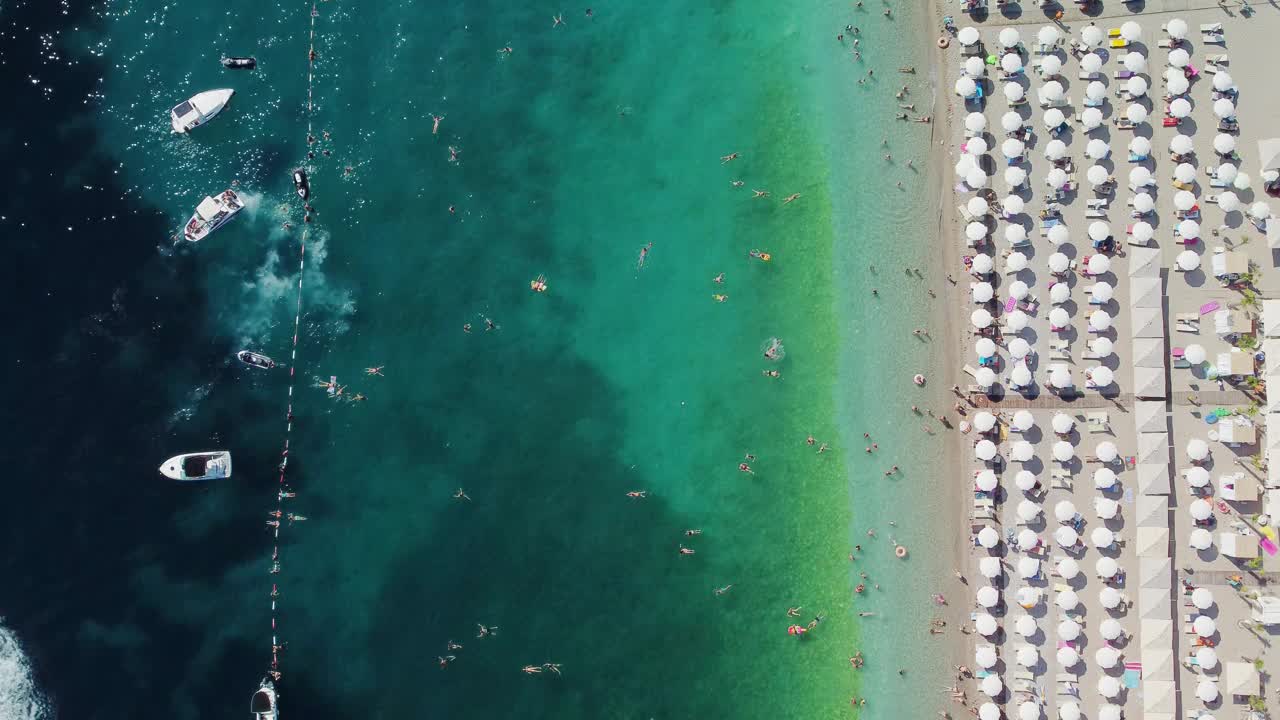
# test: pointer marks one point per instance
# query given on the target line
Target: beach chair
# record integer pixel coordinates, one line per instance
(964, 213)
(1098, 422)
(1188, 322)
(1118, 43)
(1211, 27)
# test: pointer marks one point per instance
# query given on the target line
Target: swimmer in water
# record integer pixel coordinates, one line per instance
(794, 611)
(810, 440)
(485, 631)
(789, 198)
(451, 645)
(453, 154)
(685, 551)
(760, 193)
(691, 533)
(737, 183)
(772, 373)
(727, 158)
(435, 123)
(531, 669)
(444, 661)
(723, 590)
(644, 253)
(461, 494)
(719, 298)
(719, 279)
(743, 467)
(466, 328)
(553, 667)
(638, 493)
(557, 20)
(375, 371)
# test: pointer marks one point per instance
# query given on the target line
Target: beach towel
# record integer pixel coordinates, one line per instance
(1268, 546)
(1131, 678)
(1010, 304)
(1209, 307)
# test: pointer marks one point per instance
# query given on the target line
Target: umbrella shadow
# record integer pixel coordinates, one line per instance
(1195, 278)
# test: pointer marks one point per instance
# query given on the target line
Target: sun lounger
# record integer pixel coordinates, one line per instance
(1118, 43)
(1023, 674)
(1124, 123)
(964, 213)
(1095, 213)
(1164, 43)
(1213, 39)
(1098, 421)
(969, 370)
(1210, 27)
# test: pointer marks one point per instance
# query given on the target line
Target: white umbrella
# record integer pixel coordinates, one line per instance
(1099, 231)
(1062, 451)
(1224, 108)
(989, 566)
(1053, 117)
(1067, 600)
(977, 206)
(974, 67)
(1179, 57)
(1067, 657)
(1013, 92)
(975, 121)
(1259, 211)
(989, 711)
(1108, 687)
(1144, 203)
(1102, 292)
(1055, 149)
(1097, 174)
(1011, 62)
(1140, 146)
(1023, 420)
(1028, 597)
(1091, 63)
(1207, 658)
(976, 179)
(1016, 262)
(991, 686)
(1025, 480)
(1222, 81)
(1066, 536)
(1177, 28)
(1048, 35)
(984, 422)
(965, 86)
(1027, 539)
(985, 625)
(1142, 231)
(1091, 118)
(1022, 451)
(1017, 320)
(1135, 112)
(1178, 84)
(1028, 657)
(988, 538)
(1070, 711)
(1139, 176)
(1227, 172)
(1110, 598)
(1053, 91)
(1104, 478)
(1010, 121)
(1026, 626)
(982, 263)
(1184, 200)
(1106, 450)
(1013, 148)
(1181, 144)
(988, 597)
(967, 36)
(1068, 568)
(1195, 354)
(1008, 37)
(975, 146)
(1062, 423)
(1201, 539)
(1098, 265)
(1111, 629)
(1200, 509)
(1068, 630)
(1189, 228)
(1028, 567)
(1102, 537)
(985, 348)
(1091, 35)
(1012, 204)
(965, 165)
(1056, 178)
(1185, 173)
(1064, 511)
(1179, 108)
(1202, 598)
(1197, 477)
(1058, 234)
(1015, 177)
(1105, 508)
(1137, 87)
(1110, 712)
(1097, 149)
(1060, 378)
(985, 450)
(1095, 90)
(1134, 62)
(1228, 201)
(1106, 567)
(1131, 31)
(1018, 288)
(1014, 234)
(1188, 260)
(1106, 657)
(1102, 346)
(1029, 710)
(980, 318)
(1241, 181)
(986, 480)
(985, 656)
(1207, 691)
(1197, 449)
(1059, 293)
(975, 231)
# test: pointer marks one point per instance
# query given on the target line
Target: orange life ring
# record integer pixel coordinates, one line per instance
(944, 41)
(900, 551)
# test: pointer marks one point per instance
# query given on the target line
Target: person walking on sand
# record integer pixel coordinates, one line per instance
(728, 158)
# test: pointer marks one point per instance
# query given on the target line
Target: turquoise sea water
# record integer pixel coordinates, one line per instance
(583, 144)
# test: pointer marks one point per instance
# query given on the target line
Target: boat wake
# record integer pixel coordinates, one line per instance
(19, 697)
(275, 283)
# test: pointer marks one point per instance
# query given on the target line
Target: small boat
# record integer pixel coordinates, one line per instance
(263, 705)
(210, 465)
(199, 109)
(256, 359)
(301, 184)
(211, 214)
(239, 63)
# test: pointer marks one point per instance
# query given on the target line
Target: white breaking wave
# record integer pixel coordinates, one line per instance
(19, 697)
(275, 285)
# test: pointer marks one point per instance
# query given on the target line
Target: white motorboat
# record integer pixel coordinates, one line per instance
(199, 109)
(211, 465)
(212, 213)
(263, 705)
